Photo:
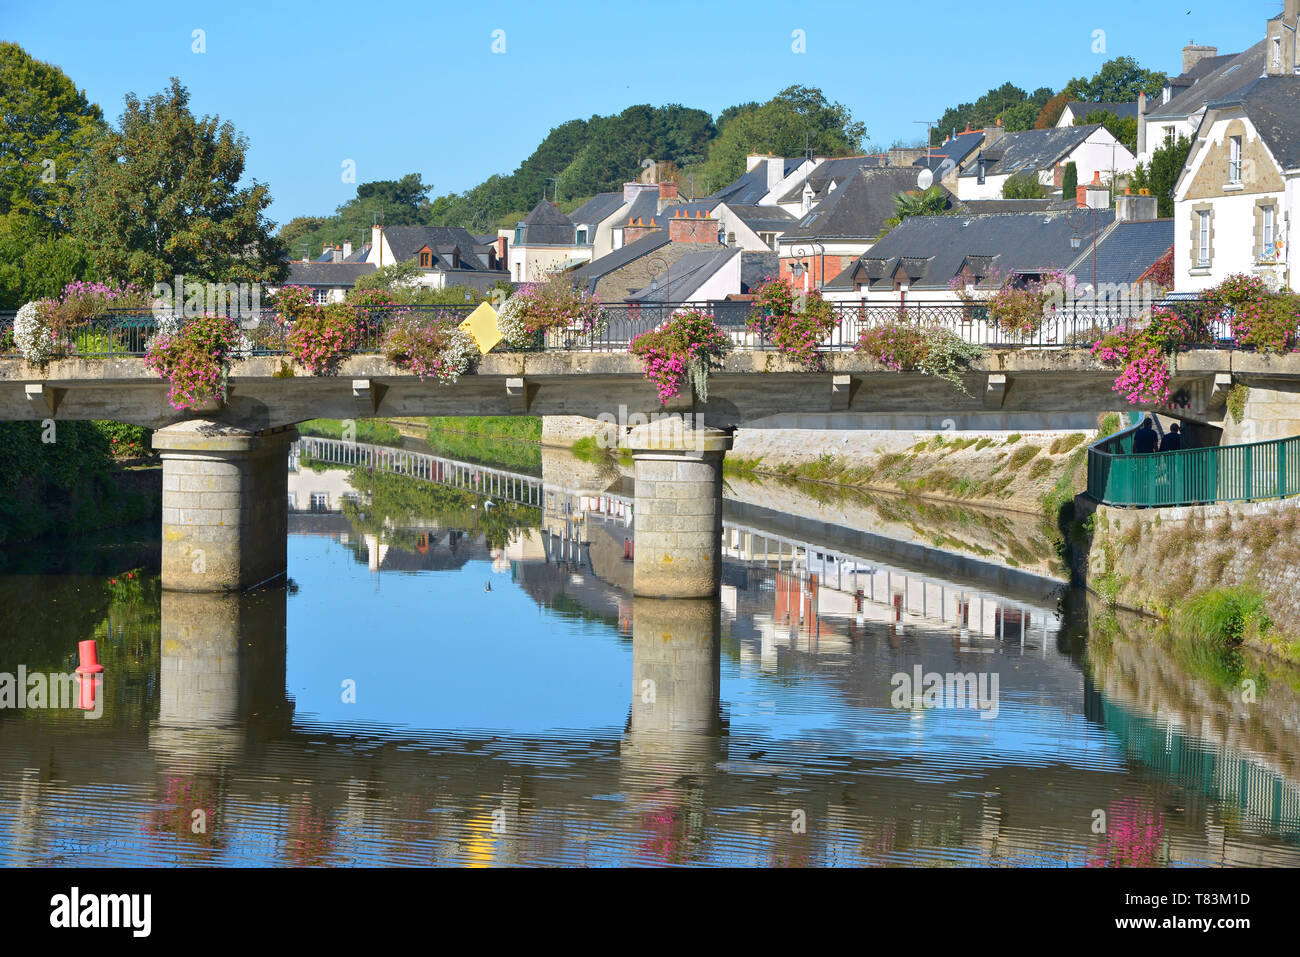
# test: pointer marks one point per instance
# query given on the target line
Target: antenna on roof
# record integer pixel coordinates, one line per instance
(927, 124)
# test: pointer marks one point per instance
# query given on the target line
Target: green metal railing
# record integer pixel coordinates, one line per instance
(1226, 473)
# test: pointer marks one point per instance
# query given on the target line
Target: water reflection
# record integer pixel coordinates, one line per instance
(514, 705)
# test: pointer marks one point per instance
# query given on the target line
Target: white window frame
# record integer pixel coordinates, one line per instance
(320, 501)
(1267, 232)
(1277, 51)
(1234, 160)
(1203, 238)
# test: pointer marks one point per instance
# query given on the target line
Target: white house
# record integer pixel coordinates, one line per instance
(1043, 154)
(1237, 200)
(445, 255)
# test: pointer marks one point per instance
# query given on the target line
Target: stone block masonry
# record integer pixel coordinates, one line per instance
(224, 507)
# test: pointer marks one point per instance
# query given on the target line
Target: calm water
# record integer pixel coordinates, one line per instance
(470, 689)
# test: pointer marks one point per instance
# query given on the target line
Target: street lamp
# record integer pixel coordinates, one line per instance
(654, 280)
(797, 269)
(1077, 219)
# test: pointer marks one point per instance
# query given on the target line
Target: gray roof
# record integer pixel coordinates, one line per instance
(835, 171)
(1081, 109)
(406, 241)
(858, 208)
(1125, 251)
(326, 274)
(1213, 81)
(1029, 151)
(932, 249)
(546, 226)
(359, 254)
(958, 149)
(1273, 105)
(1006, 205)
(687, 275)
(757, 266)
(597, 209)
(593, 271)
(751, 186)
(766, 219)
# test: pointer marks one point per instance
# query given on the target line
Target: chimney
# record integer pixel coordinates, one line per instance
(1134, 207)
(993, 133)
(667, 196)
(632, 190)
(347, 248)
(1193, 54)
(752, 160)
(1097, 194)
(775, 171)
(1280, 41)
(338, 254)
(699, 228)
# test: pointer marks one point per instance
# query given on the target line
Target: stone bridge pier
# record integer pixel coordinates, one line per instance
(224, 505)
(678, 514)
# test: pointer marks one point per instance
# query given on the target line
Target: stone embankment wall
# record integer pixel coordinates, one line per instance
(1154, 559)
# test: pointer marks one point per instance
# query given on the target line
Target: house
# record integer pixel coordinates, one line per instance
(930, 257)
(1206, 76)
(1043, 154)
(547, 240)
(1076, 110)
(844, 225)
(328, 281)
(445, 255)
(1237, 200)
(947, 160)
(752, 228)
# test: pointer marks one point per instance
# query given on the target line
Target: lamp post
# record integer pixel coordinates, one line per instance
(797, 268)
(1077, 220)
(654, 280)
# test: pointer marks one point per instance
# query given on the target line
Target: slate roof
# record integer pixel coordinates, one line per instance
(596, 269)
(958, 149)
(359, 254)
(757, 266)
(1212, 81)
(1273, 105)
(406, 241)
(1125, 251)
(858, 208)
(767, 219)
(326, 274)
(1081, 109)
(1028, 151)
(978, 206)
(751, 186)
(597, 209)
(935, 247)
(546, 226)
(687, 275)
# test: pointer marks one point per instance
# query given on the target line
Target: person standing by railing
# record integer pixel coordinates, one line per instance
(1173, 440)
(1145, 439)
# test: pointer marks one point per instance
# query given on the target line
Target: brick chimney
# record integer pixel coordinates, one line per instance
(1193, 54)
(634, 229)
(667, 196)
(697, 228)
(993, 133)
(1097, 194)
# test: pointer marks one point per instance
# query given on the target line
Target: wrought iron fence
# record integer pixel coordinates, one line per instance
(1226, 473)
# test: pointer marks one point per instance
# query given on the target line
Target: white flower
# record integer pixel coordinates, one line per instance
(457, 356)
(166, 324)
(32, 335)
(511, 322)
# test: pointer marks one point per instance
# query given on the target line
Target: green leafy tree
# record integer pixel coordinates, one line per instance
(162, 197)
(934, 201)
(1125, 130)
(1070, 181)
(1022, 186)
(1118, 81)
(1017, 109)
(1161, 174)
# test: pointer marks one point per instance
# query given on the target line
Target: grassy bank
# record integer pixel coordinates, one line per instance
(368, 431)
(511, 428)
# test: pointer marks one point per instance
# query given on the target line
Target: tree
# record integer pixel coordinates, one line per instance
(1022, 186)
(162, 197)
(933, 201)
(1017, 109)
(49, 127)
(1161, 174)
(1125, 130)
(1070, 181)
(796, 119)
(1051, 112)
(1118, 81)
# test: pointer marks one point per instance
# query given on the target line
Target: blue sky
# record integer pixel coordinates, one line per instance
(416, 87)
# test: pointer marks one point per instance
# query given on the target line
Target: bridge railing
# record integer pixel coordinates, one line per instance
(1226, 473)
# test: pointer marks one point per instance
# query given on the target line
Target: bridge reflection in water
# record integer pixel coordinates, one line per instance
(758, 729)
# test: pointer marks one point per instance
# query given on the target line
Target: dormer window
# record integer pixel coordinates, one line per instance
(980, 174)
(519, 235)
(581, 236)
(426, 259)
(1164, 94)
(455, 257)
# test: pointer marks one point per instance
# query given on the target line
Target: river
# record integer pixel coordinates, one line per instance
(449, 679)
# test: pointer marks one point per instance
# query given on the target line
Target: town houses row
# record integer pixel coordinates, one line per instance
(823, 222)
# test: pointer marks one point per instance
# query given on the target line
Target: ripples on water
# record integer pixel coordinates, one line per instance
(553, 720)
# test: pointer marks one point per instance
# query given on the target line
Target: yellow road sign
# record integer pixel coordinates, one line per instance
(481, 324)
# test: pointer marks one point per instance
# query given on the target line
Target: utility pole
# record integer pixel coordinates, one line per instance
(928, 124)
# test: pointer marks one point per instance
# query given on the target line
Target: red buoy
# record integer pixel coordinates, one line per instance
(89, 658)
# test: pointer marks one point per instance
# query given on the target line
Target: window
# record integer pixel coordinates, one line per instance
(582, 236)
(1203, 238)
(352, 497)
(519, 234)
(1164, 95)
(981, 174)
(1234, 160)
(320, 296)
(292, 505)
(1266, 232)
(426, 259)
(320, 502)
(1277, 51)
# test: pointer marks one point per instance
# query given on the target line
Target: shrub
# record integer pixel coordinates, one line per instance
(323, 336)
(796, 325)
(193, 360)
(930, 350)
(555, 303)
(82, 301)
(1225, 616)
(687, 344)
(439, 350)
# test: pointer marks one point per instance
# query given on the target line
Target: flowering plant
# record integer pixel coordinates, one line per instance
(930, 350)
(324, 336)
(81, 301)
(34, 333)
(795, 324)
(687, 344)
(193, 360)
(555, 303)
(439, 350)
